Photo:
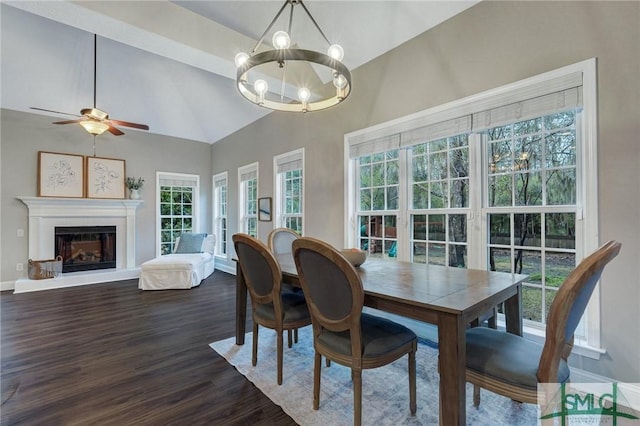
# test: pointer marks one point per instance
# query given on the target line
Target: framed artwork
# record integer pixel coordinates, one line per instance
(105, 178)
(264, 209)
(60, 175)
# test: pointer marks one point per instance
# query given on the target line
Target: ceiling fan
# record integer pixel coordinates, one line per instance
(94, 120)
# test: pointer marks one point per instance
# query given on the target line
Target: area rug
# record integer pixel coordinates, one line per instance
(385, 390)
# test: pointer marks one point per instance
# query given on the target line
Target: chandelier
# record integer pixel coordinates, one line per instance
(294, 70)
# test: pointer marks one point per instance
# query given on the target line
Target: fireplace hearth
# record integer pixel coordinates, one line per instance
(86, 248)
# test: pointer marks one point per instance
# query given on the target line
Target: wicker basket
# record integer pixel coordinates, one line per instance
(43, 269)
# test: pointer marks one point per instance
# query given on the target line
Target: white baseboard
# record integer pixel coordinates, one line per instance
(229, 269)
(7, 285)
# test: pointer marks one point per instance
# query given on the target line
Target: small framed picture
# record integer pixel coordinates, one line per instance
(264, 209)
(105, 177)
(60, 175)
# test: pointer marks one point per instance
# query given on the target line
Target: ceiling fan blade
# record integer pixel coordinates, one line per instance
(129, 124)
(114, 131)
(57, 112)
(67, 122)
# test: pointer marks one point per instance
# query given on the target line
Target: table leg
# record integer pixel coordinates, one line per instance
(513, 313)
(452, 360)
(241, 305)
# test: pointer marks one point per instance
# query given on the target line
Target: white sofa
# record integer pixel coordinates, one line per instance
(179, 270)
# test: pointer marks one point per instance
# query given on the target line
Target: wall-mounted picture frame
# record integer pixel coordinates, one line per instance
(264, 209)
(60, 175)
(105, 177)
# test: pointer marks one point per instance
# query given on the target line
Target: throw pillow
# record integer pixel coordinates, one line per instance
(209, 244)
(190, 243)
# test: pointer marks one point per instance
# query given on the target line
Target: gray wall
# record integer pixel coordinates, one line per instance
(23, 135)
(489, 45)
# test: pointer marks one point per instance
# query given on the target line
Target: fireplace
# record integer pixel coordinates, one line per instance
(85, 248)
(48, 213)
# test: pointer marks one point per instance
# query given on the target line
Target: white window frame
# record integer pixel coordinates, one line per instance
(179, 179)
(243, 215)
(280, 161)
(221, 179)
(587, 201)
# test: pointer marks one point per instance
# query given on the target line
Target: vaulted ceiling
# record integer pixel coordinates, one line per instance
(169, 64)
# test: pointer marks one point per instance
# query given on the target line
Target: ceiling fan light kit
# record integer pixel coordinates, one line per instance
(94, 127)
(282, 54)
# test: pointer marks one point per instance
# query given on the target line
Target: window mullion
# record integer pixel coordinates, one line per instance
(402, 225)
(477, 217)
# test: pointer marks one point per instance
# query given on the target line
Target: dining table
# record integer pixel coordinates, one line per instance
(449, 297)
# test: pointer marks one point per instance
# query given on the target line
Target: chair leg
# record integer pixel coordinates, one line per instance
(280, 350)
(316, 380)
(254, 352)
(289, 340)
(295, 335)
(356, 376)
(327, 362)
(492, 321)
(412, 382)
(476, 396)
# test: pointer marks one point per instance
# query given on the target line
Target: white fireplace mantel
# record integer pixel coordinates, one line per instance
(47, 213)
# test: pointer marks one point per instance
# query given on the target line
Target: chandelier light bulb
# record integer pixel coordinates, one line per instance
(241, 58)
(281, 40)
(336, 52)
(304, 94)
(260, 87)
(339, 81)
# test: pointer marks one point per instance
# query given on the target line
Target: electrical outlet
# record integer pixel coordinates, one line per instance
(19, 267)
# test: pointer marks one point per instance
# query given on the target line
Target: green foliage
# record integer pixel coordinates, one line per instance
(527, 167)
(134, 183)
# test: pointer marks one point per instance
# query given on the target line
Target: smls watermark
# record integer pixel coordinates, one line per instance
(576, 404)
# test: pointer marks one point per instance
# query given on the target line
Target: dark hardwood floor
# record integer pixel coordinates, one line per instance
(110, 354)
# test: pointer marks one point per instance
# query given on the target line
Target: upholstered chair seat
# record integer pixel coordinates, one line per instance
(294, 308)
(516, 362)
(379, 336)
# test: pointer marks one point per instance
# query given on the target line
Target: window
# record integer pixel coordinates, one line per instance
(220, 213)
(248, 198)
(495, 181)
(378, 198)
(440, 201)
(177, 208)
(289, 189)
(531, 204)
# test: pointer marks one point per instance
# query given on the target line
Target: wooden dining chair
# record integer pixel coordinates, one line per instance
(512, 365)
(280, 239)
(341, 331)
(270, 307)
(279, 243)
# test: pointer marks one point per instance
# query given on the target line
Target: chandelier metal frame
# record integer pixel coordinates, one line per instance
(281, 56)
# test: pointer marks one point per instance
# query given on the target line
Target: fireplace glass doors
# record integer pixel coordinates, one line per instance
(85, 248)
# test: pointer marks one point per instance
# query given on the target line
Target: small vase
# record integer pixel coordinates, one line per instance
(134, 194)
